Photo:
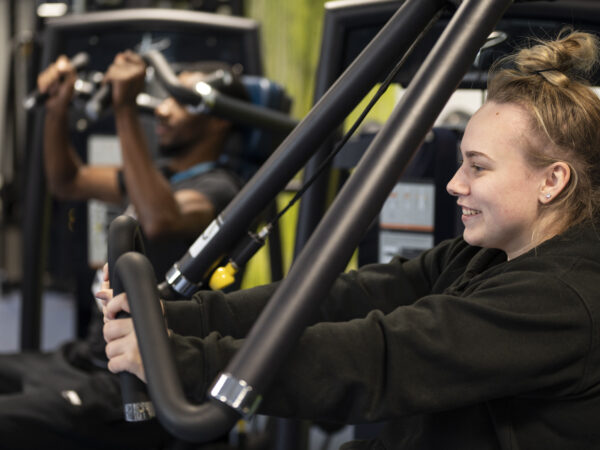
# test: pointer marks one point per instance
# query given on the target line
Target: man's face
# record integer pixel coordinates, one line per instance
(177, 128)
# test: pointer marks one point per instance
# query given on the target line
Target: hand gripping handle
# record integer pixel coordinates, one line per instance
(36, 98)
(124, 235)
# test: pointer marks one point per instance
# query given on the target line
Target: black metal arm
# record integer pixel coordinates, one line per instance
(326, 253)
(213, 102)
(207, 100)
(395, 38)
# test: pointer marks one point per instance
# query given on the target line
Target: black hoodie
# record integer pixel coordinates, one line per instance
(457, 349)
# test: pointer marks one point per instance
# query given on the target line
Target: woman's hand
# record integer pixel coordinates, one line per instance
(122, 347)
(105, 294)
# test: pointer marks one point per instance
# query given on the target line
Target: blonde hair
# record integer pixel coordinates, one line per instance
(550, 80)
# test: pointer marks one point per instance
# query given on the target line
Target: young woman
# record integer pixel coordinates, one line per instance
(487, 341)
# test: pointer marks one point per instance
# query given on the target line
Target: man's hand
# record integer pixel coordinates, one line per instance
(126, 74)
(57, 81)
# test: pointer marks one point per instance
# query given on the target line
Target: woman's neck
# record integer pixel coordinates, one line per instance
(548, 226)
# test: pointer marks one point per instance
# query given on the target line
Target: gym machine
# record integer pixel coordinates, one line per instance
(237, 391)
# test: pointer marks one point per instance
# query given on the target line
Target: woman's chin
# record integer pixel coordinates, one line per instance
(472, 239)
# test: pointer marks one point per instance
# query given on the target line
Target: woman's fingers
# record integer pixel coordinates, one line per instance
(122, 348)
(115, 306)
(122, 363)
(103, 296)
(105, 280)
(127, 361)
(116, 329)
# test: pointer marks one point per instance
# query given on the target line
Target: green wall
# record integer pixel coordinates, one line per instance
(291, 38)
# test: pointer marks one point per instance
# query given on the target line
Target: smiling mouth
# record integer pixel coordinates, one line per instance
(470, 212)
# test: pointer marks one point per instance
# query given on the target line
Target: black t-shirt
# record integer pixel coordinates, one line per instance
(220, 186)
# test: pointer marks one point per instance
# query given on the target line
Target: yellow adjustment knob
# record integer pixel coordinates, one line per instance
(222, 277)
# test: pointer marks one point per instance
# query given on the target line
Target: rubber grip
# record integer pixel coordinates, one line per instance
(124, 235)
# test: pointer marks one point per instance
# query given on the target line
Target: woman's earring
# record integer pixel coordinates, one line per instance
(548, 195)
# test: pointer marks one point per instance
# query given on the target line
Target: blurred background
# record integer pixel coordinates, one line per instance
(290, 38)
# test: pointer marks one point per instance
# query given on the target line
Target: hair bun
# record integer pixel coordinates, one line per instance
(550, 81)
(572, 56)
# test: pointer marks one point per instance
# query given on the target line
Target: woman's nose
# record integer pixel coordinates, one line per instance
(457, 186)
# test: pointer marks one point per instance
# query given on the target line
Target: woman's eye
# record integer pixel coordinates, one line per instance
(473, 166)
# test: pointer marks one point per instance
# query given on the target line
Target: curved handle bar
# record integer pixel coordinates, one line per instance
(168, 79)
(124, 235)
(199, 423)
(215, 102)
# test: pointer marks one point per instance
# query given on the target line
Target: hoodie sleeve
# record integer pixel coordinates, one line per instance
(439, 353)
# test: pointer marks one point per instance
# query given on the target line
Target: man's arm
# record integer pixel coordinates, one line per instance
(160, 212)
(68, 178)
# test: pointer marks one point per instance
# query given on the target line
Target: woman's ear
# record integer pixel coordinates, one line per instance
(557, 176)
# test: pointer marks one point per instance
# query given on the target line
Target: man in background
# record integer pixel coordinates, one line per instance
(67, 399)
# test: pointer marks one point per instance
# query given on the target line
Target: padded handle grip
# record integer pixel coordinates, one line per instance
(124, 235)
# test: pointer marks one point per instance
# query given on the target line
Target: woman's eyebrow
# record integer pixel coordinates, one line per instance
(474, 153)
